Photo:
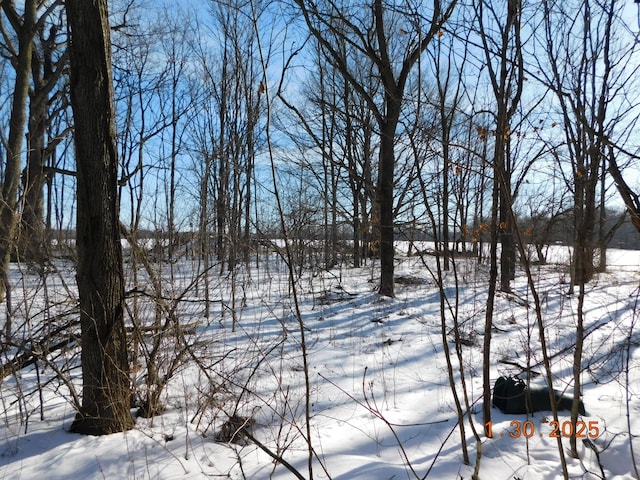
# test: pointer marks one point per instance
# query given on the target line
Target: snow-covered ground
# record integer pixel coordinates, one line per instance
(380, 403)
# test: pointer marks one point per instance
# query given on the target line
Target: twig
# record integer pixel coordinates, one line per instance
(275, 457)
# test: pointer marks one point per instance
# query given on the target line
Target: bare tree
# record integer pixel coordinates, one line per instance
(105, 368)
(448, 89)
(228, 136)
(24, 27)
(589, 69)
(370, 31)
(337, 138)
(505, 69)
(503, 55)
(48, 100)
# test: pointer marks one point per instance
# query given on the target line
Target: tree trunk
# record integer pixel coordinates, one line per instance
(584, 217)
(629, 197)
(25, 29)
(491, 297)
(105, 369)
(507, 78)
(506, 239)
(385, 204)
(32, 249)
(46, 71)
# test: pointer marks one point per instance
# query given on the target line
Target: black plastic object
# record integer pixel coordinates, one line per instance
(511, 396)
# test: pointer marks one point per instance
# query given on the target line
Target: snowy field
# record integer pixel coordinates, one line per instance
(379, 399)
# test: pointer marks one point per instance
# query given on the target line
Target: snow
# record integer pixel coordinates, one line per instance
(381, 406)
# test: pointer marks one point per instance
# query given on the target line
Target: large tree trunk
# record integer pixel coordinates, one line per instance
(106, 384)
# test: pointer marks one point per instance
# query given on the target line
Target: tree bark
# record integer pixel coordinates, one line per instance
(106, 384)
(386, 169)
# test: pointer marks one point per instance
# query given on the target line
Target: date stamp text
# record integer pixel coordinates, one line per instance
(564, 429)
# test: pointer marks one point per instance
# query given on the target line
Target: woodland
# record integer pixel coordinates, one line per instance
(304, 239)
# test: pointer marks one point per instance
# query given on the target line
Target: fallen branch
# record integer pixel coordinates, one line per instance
(31, 355)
